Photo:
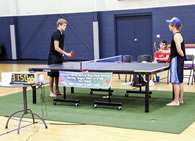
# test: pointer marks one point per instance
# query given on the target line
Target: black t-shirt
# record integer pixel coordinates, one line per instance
(57, 35)
(174, 52)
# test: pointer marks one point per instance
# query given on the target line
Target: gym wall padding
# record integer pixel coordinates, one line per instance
(33, 32)
(5, 36)
(159, 25)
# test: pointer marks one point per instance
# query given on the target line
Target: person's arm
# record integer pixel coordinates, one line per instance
(155, 56)
(58, 49)
(165, 51)
(163, 59)
(178, 39)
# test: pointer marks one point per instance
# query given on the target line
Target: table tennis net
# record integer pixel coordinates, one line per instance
(108, 59)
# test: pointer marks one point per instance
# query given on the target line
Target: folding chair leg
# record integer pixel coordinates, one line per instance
(156, 76)
(189, 77)
(130, 78)
(193, 77)
(168, 77)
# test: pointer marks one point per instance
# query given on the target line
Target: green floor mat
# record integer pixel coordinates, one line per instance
(160, 118)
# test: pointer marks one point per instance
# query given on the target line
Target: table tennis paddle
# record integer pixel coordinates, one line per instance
(71, 54)
(156, 46)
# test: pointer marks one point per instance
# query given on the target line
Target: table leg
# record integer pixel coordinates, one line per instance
(75, 101)
(30, 111)
(6, 126)
(72, 90)
(34, 95)
(25, 111)
(64, 92)
(20, 122)
(41, 119)
(25, 100)
(147, 93)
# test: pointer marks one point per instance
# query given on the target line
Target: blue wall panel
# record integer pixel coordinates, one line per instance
(159, 26)
(33, 32)
(185, 13)
(108, 29)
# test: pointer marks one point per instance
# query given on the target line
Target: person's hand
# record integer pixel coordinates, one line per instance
(68, 54)
(71, 54)
(160, 51)
(183, 57)
(155, 60)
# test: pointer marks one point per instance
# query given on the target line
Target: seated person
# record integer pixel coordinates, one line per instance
(160, 57)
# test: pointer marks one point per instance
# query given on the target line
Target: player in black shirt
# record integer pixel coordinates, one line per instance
(56, 54)
(177, 61)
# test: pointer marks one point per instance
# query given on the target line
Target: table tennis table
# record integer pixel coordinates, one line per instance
(113, 64)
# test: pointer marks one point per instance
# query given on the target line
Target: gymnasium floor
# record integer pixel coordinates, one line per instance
(59, 131)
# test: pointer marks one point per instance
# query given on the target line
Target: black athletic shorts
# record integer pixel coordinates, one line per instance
(54, 59)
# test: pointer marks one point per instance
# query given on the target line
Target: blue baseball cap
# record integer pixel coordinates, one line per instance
(175, 21)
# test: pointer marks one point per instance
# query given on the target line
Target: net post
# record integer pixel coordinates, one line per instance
(81, 66)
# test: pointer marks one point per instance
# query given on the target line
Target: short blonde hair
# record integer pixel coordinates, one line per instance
(61, 22)
(177, 27)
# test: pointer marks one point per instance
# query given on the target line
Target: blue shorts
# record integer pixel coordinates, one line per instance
(176, 70)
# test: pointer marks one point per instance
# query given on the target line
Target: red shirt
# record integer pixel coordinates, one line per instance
(162, 55)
